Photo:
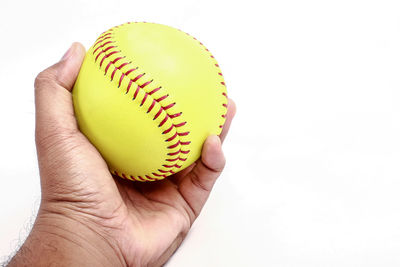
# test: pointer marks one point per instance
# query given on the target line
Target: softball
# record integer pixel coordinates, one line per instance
(147, 97)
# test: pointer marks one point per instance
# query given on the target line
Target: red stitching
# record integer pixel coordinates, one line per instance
(151, 106)
(131, 70)
(106, 56)
(159, 175)
(123, 65)
(172, 166)
(136, 92)
(144, 99)
(172, 137)
(174, 145)
(101, 52)
(164, 171)
(158, 113)
(175, 159)
(129, 86)
(161, 98)
(120, 80)
(151, 179)
(145, 84)
(180, 124)
(108, 48)
(175, 115)
(113, 73)
(104, 34)
(110, 63)
(102, 40)
(176, 126)
(118, 59)
(179, 151)
(179, 143)
(138, 77)
(164, 120)
(101, 46)
(154, 90)
(169, 106)
(168, 130)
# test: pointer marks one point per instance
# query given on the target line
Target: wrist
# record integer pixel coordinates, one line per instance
(64, 240)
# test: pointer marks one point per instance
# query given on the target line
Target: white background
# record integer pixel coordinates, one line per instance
(313, 176)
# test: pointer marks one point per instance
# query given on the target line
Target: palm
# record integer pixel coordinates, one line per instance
(156, 212)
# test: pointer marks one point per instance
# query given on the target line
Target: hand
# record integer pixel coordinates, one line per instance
(88, 217)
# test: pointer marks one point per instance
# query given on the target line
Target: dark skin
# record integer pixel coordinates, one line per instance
(88, 217)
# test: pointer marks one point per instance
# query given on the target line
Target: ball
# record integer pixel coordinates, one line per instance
(147, 96)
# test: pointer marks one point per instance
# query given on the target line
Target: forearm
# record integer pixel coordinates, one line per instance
(57, 240)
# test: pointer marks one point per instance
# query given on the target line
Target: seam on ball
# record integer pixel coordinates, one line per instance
(103, 48)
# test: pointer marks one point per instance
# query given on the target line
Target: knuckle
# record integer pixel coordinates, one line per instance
(216, 165)
(44, 79)
(54, 137)
(196, 179)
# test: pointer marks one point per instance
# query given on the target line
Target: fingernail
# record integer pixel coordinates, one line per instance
(67, 54)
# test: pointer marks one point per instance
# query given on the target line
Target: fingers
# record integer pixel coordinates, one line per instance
(54, 108)
(229, 117)
(71, 63)
(196, 186)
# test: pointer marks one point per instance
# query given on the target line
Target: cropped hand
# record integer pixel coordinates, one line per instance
(88, 217)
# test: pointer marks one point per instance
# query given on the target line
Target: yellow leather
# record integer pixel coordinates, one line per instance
(176, 98)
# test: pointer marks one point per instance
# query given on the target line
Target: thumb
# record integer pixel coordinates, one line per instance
(196, 186)
(53, 99)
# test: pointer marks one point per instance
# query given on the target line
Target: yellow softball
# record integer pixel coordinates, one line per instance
(147, 96)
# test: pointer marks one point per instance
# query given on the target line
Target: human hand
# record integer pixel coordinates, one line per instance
(87, 217)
